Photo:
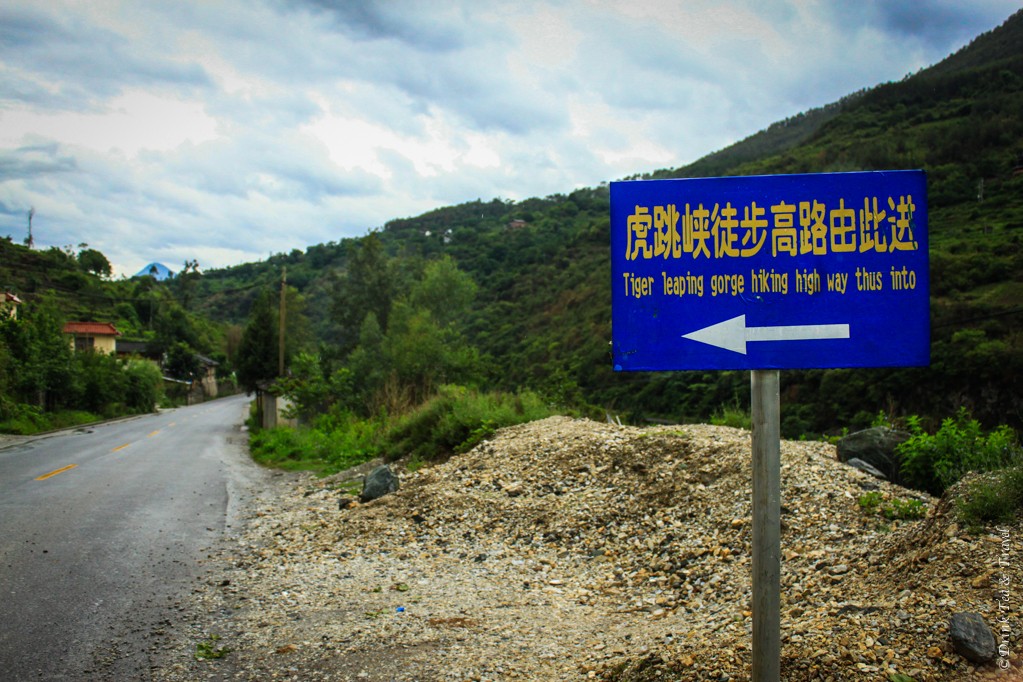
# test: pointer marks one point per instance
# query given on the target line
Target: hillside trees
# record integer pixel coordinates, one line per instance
(366, 286)
(421, 342)
(403, 335)
(257, 361)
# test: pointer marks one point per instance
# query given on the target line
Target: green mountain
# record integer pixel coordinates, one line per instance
(541, 318)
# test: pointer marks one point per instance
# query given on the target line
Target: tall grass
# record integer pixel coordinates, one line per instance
(453, 421)
(456, 420)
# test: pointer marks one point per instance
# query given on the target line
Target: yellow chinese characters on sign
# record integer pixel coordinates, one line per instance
(804, 228)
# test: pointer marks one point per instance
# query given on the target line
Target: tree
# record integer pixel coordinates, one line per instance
(95, 262)
(257, 352)
(186, 281)
(182, 363)
(365, 287)
(173, 324)
(40, 354)
(298, 333)
(445, 291)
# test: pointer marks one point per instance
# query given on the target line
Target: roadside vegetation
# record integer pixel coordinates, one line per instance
(409, 386)
(451, 422)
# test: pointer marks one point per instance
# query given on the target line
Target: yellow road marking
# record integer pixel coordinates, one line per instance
(121, 447)
(153, 433)
(54, 473)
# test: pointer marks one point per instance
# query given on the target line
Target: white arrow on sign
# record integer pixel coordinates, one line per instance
(733, 334)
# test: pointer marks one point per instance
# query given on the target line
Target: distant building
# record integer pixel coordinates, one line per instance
(100, 337)
(517, 224)
(9, 305)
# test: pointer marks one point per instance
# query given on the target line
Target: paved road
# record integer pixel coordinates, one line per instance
(103, 530)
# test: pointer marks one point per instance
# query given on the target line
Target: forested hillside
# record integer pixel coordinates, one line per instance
(541, 317)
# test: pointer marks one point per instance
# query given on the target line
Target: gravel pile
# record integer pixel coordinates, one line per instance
(568, 549)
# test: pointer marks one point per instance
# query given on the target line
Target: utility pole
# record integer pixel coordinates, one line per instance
(280, 339)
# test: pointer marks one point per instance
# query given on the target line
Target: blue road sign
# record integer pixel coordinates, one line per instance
(770, 272)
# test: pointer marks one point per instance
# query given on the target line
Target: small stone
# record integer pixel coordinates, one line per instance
(983, 580)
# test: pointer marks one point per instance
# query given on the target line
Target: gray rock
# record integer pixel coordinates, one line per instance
(858, 463)
(875, 446)
(381, 481)
(972, 638)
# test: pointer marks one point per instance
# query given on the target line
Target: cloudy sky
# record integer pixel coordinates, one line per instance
(224, 131)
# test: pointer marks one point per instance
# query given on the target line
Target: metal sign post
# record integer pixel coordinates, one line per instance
(766, 415)
(767, 273)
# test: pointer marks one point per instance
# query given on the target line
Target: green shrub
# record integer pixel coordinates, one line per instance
(934, 462)
(456, 420)
(453, 421)
(732, 415)
(992, 498)
(333, 444)
(144, 386)
(870, 502)
(21, 419)
(903, 509)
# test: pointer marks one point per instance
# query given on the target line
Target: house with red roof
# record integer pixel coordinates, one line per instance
(96, 336)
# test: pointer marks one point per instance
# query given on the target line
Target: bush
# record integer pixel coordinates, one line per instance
(453, 421)
(992, 498)
(732, 415)
(21, 419)
(98, 382)
(336, 442)
(934, 462)
(144, 386)
(456, 420)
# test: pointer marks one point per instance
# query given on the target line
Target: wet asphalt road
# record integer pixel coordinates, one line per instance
(103, 531)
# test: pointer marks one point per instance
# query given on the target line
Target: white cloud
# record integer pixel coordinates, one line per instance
(226, 131)
(128, 124)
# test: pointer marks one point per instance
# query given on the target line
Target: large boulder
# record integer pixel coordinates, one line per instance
(972, 638)
(381, 481)
(875, 446)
